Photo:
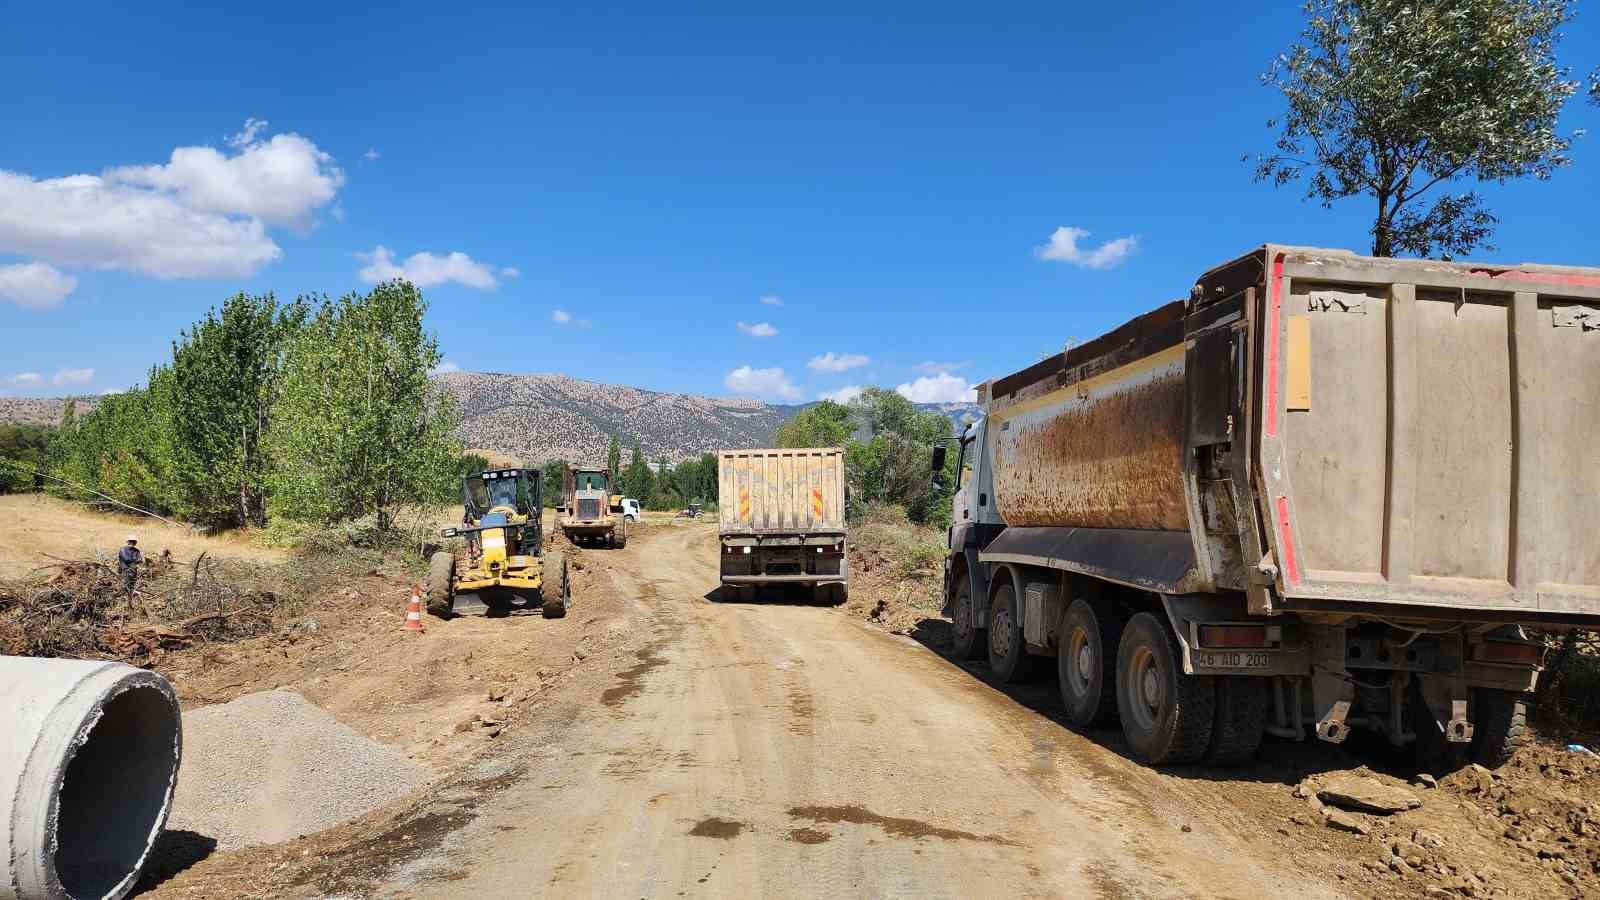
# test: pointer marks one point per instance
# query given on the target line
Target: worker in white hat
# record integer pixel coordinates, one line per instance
(128, 560)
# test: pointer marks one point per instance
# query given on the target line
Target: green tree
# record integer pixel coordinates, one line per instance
(828, 424)
(638, 481)
(614, 457)
(225, 375)
(358, 428)
(1391, 99)
(555, 480)
(124, 449)
(666, 494)
(24, 450)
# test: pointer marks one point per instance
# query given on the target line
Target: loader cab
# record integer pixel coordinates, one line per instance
(589, 497)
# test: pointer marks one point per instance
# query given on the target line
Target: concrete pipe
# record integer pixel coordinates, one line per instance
(88, 762)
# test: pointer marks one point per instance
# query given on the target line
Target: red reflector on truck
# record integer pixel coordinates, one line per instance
(1507, 652)
(1218, 636)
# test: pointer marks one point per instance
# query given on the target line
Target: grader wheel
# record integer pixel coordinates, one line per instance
(441, 583)
(556, 607)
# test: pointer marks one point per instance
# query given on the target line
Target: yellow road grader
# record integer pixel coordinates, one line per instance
(502, 568)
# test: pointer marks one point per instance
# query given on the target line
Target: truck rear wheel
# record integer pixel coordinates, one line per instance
(441, 587)
(1008, 651)
(1240, 721)
(1166, 715)
(1500, 725)
(1086, 663)
(968, 639)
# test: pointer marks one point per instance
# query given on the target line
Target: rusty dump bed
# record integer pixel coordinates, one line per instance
(1418, 435)
(781, 491)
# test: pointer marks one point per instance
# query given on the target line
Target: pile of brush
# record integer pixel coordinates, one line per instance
(84, 608)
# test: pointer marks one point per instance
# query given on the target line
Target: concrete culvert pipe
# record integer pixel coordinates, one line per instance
(88, 762)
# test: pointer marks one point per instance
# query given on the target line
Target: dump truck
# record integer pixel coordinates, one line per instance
(590, 512)
(781, 521)
(1324, 492)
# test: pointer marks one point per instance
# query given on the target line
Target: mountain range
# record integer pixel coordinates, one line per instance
(540, 417)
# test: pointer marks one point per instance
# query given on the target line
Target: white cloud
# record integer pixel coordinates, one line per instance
(203, 214)
(759, 329)
(279, 181)
(247, 135)
(85, 220)
(1063, 247)
(510, 272)
(768, 384)
(65, 377)
(837, 362)
(562, 317)
(371, 154)
(444, 368)
(842, 395)
(772, 300)
(939, 368)
(944, 388)
(426, 269)
(25, 380)
(35, 285)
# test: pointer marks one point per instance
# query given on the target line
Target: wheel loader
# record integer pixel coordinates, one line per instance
(502, 569)
(590, 512)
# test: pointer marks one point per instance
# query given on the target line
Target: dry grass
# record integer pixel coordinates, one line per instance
(896, 569)
(37, 530)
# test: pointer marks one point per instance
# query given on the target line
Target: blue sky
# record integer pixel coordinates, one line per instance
(888, 172)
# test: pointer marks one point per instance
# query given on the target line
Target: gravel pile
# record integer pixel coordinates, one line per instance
(271, 767)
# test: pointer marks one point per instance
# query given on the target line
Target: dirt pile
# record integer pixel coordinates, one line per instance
(271, 767)
(896, 571)
(1529, 829)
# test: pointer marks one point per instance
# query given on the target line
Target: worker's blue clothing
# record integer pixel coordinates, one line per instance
(129, 557)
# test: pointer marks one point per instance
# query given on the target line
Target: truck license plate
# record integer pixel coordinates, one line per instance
(1232, 659)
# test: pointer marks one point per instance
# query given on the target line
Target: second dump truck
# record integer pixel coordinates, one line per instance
(1325, 492)
(782, 520)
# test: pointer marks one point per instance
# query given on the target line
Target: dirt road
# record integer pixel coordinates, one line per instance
(783, 750)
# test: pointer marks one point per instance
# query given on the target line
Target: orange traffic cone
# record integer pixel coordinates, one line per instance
(414, 611)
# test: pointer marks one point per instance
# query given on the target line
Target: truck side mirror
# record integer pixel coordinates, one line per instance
(938, 466)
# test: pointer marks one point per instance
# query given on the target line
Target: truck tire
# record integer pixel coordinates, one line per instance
(441, 586)
(1166, 715)
(1500, 725)
(1008, 649)
(1240, 721)
(1086, 664)
(621, 534)
(969, 641)
(556, 607)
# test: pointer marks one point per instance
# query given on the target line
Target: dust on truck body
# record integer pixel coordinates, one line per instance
(1327, 491)
(782, 519)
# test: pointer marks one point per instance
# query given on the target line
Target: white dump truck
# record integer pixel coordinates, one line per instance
(1325, 492)
(781, 519)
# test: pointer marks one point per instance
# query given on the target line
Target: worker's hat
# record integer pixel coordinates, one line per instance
(133, 539)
